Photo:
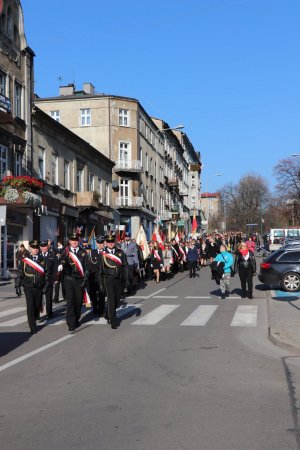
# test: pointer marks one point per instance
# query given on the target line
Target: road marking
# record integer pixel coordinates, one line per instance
(9, 312)
(35, 352)
(200, 316)
(245, 316)
(154, 293)
(165, 296)
(156, 315)
(14, 322)
(135, 296)
(204, 298)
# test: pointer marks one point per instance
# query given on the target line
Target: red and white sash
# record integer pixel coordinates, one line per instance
(156, 255)
(34, 265)
(114, 258)
(86, 297)
(174, 251)
(182, 253)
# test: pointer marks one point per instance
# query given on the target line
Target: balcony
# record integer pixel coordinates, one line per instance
(88, 199)
(173, 182)
(128, 202)
(165, 215)
(131, 165)
(183, 192)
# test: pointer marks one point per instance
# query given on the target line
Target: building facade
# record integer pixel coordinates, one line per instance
(211, 208)
(78, 182)
(122, 130)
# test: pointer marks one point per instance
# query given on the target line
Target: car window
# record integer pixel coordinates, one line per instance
(274, 255)
(290, 257)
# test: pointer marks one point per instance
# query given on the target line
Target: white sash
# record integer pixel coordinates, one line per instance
(34, 265)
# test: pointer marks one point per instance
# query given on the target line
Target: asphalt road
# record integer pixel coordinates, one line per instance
(185, 370)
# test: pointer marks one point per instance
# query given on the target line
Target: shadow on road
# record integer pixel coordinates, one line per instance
(10, 341)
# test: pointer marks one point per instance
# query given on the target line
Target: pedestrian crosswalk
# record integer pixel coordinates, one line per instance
(199, 316)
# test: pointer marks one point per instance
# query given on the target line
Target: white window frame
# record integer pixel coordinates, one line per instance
(124, 117)
(107, 193)
(41, 159)
(152, 198)
(55, 115)
(85, 117)
(79, 178)
(124, 146)
(18, 100)
(3, 160)
(66, 174)
(18, 163)
(54, 169)
(91, 186)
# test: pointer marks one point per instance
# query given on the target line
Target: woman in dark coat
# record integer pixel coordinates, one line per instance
(157, 262)
(212, 249)
(245, 265)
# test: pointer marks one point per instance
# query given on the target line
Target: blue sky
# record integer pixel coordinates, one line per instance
(229, 70)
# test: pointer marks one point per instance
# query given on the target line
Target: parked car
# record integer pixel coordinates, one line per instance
(282, 268)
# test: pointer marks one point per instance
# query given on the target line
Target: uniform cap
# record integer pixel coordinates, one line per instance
(100, 239)
(34, 244)
(110, 238)
(85, 240)
(73, 237)
(44, 243)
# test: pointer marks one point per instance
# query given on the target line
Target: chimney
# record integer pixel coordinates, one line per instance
(88, 88)
(67, 90)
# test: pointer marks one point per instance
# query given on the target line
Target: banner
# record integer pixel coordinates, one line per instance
(141, 240)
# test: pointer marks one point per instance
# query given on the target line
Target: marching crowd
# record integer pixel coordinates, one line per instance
(100, 276)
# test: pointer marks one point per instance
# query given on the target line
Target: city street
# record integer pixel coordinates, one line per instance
(185, 370)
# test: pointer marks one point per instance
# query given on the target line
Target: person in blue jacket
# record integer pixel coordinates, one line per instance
(227, 258)
(192, 258)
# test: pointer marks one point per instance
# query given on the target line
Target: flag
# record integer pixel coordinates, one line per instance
(1, 6)
(177, 239)
(123, 234)
(141, 240)
(157, 238)
(92, 239)
(194, 223)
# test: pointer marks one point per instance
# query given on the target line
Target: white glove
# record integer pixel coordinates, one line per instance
(60, 268)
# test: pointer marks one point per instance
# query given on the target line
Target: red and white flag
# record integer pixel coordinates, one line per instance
(141, 240)
(157, 238)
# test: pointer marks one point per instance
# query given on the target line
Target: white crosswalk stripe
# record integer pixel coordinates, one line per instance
(200, 316)
(245, 316)
(155, 316)
(10, 312)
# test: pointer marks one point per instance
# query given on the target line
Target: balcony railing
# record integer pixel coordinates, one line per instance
(5, 104)
(128, 202)
(130, 165)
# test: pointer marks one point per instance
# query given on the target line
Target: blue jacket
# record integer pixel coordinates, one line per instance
(192, 254)
(226, 258)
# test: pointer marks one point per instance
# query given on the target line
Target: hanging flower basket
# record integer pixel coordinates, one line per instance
(10, 195)
(22, 183)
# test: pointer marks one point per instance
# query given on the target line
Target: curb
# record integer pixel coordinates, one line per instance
(276, 334)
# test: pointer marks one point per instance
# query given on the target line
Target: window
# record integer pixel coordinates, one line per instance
(290, 257)
(124, 151)
(3, 161)
(152, 198)
(162, 204)
(147, 162)
(54, 169)
(100, 187)
(147, 194)
(124, 117)
(41, 163)
(79, 178)
(18, 164)
(55, 115)
(18, 100)
(107, 193)
(2, 83)
(91, 182)
(85, 117)
(66, 174)
(141, 157)
(124, 192)
(151, 166)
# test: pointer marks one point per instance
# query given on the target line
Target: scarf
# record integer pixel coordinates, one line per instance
(244, 252)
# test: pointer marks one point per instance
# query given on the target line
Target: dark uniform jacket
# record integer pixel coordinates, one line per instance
(51, 263)
(110, 268)
(27, 276)
(95, 261)
(70, 270)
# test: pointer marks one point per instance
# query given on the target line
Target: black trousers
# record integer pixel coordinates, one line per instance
(48, 297)
(114, 289)
(97, 297)
(131, 277)
(246, 277)
(56, 291)
(74, 294)
(34, 297)
(193, 268)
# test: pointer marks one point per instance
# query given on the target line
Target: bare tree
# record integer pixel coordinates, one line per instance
(287, 173)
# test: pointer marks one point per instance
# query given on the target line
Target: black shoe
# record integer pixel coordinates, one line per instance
(250, 296)
(222, 297)
(72, 330)
(243, 296)
(33, 331)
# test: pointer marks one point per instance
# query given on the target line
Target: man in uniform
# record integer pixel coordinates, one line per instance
(49, 256)
(113, 270)
(74, 264)
(175, 255)
(33, 276)
(131, 252)
(95, 283)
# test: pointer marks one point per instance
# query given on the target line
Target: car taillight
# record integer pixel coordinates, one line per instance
(265, 265)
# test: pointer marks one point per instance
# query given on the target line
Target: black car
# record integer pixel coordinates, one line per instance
(282, 268)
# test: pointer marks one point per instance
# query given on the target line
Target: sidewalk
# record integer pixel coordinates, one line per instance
(284, 319)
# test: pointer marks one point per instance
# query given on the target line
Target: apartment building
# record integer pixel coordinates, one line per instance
(78, 182)
(121, 129)
(16, 96)
(211, 207)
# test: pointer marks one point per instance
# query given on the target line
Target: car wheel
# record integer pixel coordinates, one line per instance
(290, 282)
